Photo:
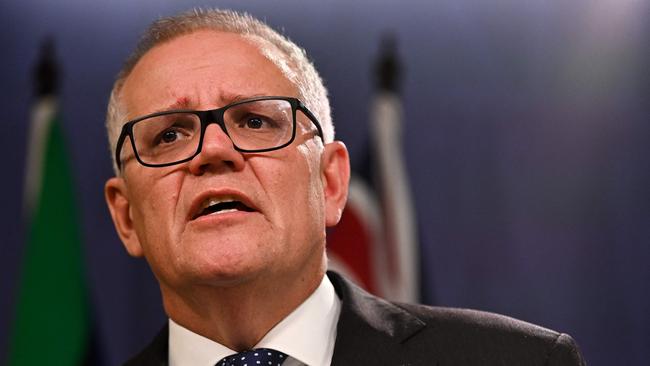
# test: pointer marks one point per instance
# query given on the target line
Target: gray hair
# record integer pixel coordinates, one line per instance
(292, 61)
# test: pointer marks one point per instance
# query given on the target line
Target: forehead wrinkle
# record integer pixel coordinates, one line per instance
(184, 99)
(180, 103)
(222, 98)
(225, 98)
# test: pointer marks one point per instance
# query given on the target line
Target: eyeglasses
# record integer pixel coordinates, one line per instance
(253, 125)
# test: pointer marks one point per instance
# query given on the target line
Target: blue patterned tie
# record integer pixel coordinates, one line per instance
(254, 357)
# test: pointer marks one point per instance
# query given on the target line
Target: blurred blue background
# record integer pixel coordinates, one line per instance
(526, 138)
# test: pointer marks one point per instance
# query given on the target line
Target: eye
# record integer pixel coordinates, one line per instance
(254, 123)
(169, 136)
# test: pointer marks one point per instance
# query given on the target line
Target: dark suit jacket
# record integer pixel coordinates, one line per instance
(372, 331)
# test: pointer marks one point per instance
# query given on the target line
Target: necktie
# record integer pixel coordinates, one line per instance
(254, 357)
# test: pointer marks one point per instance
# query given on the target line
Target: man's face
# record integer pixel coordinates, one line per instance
(278, 230)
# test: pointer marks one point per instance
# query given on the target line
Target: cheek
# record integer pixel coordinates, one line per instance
(309, 188)
(154, 203)
(292, 185)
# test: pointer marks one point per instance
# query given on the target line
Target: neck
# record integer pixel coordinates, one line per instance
(239, 316)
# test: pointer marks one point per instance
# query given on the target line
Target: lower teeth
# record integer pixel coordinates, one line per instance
(225, 211)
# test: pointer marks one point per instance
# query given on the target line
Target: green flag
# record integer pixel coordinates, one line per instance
(51, 318)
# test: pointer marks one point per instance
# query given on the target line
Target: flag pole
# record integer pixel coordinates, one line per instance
(401, 246)
(45, 78)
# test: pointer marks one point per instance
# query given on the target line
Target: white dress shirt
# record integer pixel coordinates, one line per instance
(306, 335)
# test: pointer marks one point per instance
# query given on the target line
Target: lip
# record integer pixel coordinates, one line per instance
(195, 207)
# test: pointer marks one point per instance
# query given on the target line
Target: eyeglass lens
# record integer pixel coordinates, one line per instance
(252, 125)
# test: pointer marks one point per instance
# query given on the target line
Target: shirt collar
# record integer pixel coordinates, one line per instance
(189, 348)
(307, 334)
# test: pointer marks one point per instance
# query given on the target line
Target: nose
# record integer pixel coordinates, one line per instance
(217, 153)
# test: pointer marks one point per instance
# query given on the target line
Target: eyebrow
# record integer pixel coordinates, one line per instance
(234, 98)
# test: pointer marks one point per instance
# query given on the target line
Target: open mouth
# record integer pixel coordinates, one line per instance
(215, 206)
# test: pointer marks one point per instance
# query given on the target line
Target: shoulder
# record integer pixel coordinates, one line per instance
(488, 334)
(464, 325)
(467, 322)
(426, 335)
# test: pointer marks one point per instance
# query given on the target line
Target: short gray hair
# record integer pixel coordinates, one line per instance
(293, 62)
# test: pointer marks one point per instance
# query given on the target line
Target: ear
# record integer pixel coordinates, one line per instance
(117, 198)
(335, 175)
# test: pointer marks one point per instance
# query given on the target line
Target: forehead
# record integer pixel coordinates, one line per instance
(201, 70)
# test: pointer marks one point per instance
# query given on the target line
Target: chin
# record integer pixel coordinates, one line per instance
(222, 269)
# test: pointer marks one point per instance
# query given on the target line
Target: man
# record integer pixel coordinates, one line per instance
(227, 174)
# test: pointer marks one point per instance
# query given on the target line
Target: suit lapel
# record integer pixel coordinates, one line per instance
(370, 330)
(156, 352)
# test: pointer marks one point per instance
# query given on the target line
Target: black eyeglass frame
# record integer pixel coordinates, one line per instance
(213, 116)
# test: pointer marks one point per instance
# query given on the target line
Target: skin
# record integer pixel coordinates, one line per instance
(220, 274)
